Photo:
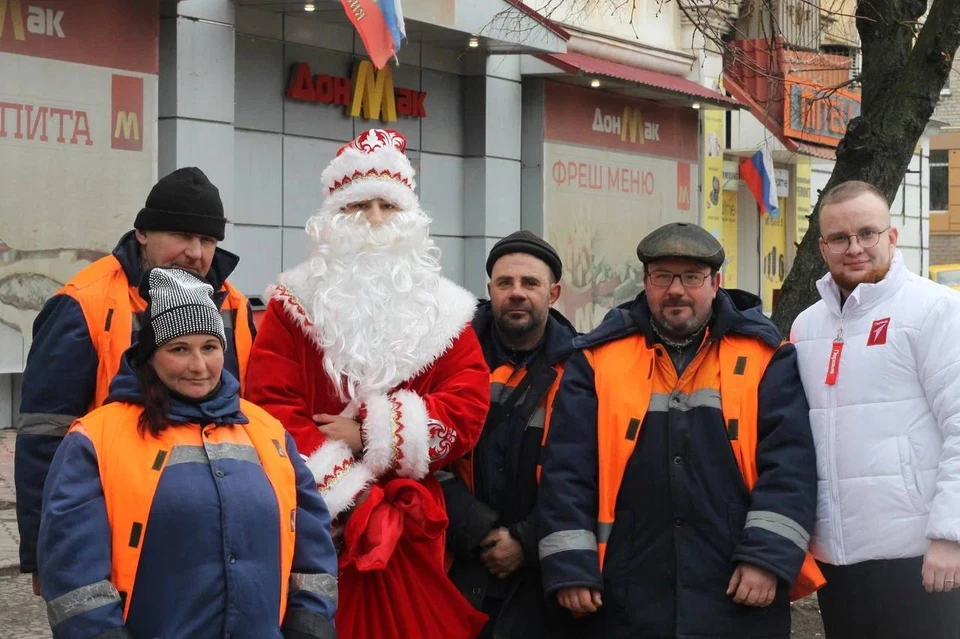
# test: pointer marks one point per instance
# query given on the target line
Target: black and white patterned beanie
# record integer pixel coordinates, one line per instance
(178, 303)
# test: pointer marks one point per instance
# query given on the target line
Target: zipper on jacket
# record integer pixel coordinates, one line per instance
(832, 439)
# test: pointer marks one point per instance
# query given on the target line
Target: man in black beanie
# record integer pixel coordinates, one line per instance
(491, 496)
(86, 326)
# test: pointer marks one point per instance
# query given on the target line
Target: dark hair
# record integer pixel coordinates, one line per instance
(156, 400)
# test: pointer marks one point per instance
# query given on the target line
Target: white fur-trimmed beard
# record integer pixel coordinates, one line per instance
(374, 297)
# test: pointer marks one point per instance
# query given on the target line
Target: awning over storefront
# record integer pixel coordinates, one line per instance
(658, 85)
(774, 124)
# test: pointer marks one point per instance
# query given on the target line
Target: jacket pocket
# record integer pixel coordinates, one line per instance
(908, 468)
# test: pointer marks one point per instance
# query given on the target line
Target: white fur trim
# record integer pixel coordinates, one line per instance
(353, 161)
(457, 306)
(363, 189)
(342, 495)
(414, 462)
(339, 476)
(288, 293)
(382, 431)
(323, 462)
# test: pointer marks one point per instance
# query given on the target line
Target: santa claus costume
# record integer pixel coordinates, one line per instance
(367, 328)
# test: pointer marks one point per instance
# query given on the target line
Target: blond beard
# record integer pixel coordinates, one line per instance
(374, 298)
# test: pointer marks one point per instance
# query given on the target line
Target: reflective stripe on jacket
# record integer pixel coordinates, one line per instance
(681, 495)
(111, 307)
(722, 376)
(503, 382)
(123, 455)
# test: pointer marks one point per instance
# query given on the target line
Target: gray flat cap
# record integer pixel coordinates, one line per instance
(680, 239)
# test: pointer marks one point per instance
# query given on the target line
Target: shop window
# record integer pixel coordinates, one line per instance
(939, 180)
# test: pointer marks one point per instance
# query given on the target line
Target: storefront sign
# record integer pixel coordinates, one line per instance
(731, 176)
(782, 178)
(730, 239)
(78, 114)
(369, 94)
(773, 248)
(803, 197)
(814, 114)
(597, 119)
(713, 125)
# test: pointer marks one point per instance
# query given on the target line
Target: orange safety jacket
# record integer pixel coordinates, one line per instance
(739, 362)
(504, 381)
(111, 306)
(130, 466)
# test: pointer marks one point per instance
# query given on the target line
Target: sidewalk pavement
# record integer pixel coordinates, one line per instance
(9, 537)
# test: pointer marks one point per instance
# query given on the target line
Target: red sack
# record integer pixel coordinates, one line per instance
(392, 582)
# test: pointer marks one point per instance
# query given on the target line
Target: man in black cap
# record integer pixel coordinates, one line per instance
(83, 330)
(491, 494)
(679, 481)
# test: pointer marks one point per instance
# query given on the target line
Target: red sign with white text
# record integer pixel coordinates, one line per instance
(119, 34)
(594, 118)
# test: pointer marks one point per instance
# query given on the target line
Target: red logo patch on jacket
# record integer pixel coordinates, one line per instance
(878, 332)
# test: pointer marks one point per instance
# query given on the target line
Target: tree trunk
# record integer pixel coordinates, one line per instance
(901, 81)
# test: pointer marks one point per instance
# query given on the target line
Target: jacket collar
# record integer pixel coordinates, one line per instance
(555, 346)
(864, 295)
(223, 407)
(734, 312)
(127, 252)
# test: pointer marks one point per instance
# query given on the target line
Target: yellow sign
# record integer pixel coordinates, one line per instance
(773, 266)
(712, 172)
(16, 17)
(803, 196)
(719, 206)
(730, 239)
(373, 93)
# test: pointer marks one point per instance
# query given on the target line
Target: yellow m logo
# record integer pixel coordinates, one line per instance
(16, 17)
(127, 124)
(632, 123)
(373, 93)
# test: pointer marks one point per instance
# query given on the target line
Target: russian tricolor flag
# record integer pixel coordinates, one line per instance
(380, 25)
(757, 172)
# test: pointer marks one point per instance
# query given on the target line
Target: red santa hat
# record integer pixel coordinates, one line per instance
(372, 166)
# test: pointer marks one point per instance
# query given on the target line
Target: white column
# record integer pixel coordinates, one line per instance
(196, 93)
(492, 116)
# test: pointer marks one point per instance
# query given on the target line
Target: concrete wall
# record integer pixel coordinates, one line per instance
(468, 163)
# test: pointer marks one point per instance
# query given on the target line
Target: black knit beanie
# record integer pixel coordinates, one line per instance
(526, 242)
(178, 303)
(185, 202)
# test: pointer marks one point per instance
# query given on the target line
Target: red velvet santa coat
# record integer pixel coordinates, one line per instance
(423, 423)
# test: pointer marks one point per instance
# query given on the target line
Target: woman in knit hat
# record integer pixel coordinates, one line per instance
(178, 509)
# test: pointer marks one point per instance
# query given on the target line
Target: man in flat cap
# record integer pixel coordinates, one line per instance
(679, 481)
(491, 494)
(83, 330)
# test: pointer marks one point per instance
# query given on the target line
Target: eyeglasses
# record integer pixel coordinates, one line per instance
(867, 238)
(664, 279)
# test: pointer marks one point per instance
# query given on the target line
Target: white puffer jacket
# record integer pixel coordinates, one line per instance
(888, 432)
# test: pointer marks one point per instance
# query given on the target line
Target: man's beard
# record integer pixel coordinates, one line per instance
(874, 275)
(374, 298)
(675, 328)
(519, 330)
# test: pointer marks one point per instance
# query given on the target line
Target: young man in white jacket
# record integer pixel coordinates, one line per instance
(879, 357)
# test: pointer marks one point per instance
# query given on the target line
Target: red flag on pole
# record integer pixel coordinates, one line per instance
(368, 20)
